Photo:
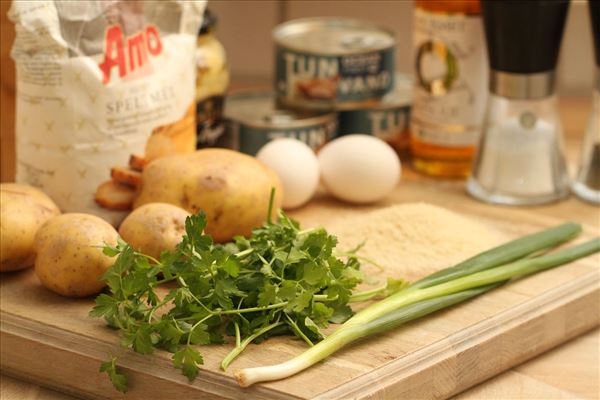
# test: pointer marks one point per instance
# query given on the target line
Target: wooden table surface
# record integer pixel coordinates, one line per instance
(571, 371)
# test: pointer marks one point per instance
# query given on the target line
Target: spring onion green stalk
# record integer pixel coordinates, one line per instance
(379, 316)
(503, 254)
(420, 309)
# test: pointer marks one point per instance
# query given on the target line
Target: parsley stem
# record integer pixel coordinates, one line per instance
(237, 334)
(238, 310)
(270, 209)
(367, 294)
(165, 280)
(251, 309)
(182, 283)
(189, 338)
(176, 325)
(360, 258)
(244, 253)
(309, 230)
(156, 307)
(298, 331)
(241, 346)
(154, 260)
(324, 297)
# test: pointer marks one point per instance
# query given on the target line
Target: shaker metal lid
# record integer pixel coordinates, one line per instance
(332, 36)
(259, 109)
(524, 36)
(522, 86)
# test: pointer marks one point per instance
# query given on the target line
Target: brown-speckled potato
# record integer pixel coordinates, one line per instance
(69, 258)
(232, 188)
(154, 228)
(23, 209)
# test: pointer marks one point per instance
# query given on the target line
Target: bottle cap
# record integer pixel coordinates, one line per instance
(524, 36)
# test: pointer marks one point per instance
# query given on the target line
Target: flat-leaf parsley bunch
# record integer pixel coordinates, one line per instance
(280, 280)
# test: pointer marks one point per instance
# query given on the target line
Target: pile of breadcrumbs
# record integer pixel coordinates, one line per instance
(415, 239)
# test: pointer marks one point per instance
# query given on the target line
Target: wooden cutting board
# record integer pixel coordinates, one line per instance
(50, 340)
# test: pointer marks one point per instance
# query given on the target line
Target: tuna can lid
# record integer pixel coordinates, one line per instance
(332, 36)
(259, 109)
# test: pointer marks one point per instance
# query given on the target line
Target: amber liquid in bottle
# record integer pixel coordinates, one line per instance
(451, 86)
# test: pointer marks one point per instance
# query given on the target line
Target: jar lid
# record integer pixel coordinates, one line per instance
(524, 36)
(595, 16)
(209, 22)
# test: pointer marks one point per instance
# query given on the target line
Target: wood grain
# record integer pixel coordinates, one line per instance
(515, 385)
(578, 374)
(436, 357)
(13, 389)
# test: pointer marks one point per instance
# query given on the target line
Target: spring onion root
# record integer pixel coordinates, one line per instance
(438, 291)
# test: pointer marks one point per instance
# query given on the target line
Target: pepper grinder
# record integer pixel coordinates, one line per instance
(587, 183)
(520, 158)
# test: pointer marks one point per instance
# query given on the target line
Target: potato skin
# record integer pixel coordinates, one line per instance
(69, 258)
(232, 188)
(23, 209)
(154, 228)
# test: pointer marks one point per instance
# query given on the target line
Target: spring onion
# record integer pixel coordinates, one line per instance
(440, 290)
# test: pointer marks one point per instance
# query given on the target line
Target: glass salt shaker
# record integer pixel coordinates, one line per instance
(587, 183)
(520, 159)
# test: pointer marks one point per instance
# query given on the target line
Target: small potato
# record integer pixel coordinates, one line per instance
(23, 209)
(69, 258)
(154, 227)
(232, 188)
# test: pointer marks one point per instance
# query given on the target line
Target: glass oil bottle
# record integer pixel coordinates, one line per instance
(450, 86)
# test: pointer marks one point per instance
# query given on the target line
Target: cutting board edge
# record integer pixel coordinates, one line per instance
(440, 360)
(445, 357)
(24, 335)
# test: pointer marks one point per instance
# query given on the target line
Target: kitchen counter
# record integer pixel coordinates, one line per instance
(567, 372)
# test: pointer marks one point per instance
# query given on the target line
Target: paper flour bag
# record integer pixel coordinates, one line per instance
(103, 87)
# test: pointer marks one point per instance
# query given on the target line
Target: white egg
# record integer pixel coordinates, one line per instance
(359, 168)
(297, 167)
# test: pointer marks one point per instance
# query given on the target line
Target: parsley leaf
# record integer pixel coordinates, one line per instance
(140, 339)
(268, 295)
(106, 306)
(199, 335)
(118, 380)
(188, 360)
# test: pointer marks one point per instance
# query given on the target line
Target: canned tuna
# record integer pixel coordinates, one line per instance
(253, 119)
(332, 63)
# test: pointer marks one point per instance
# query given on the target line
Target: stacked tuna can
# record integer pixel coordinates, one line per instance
(334, 76)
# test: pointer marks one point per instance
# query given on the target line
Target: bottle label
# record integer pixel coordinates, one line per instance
(386, 123)
(451, 78)
(320, 81)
